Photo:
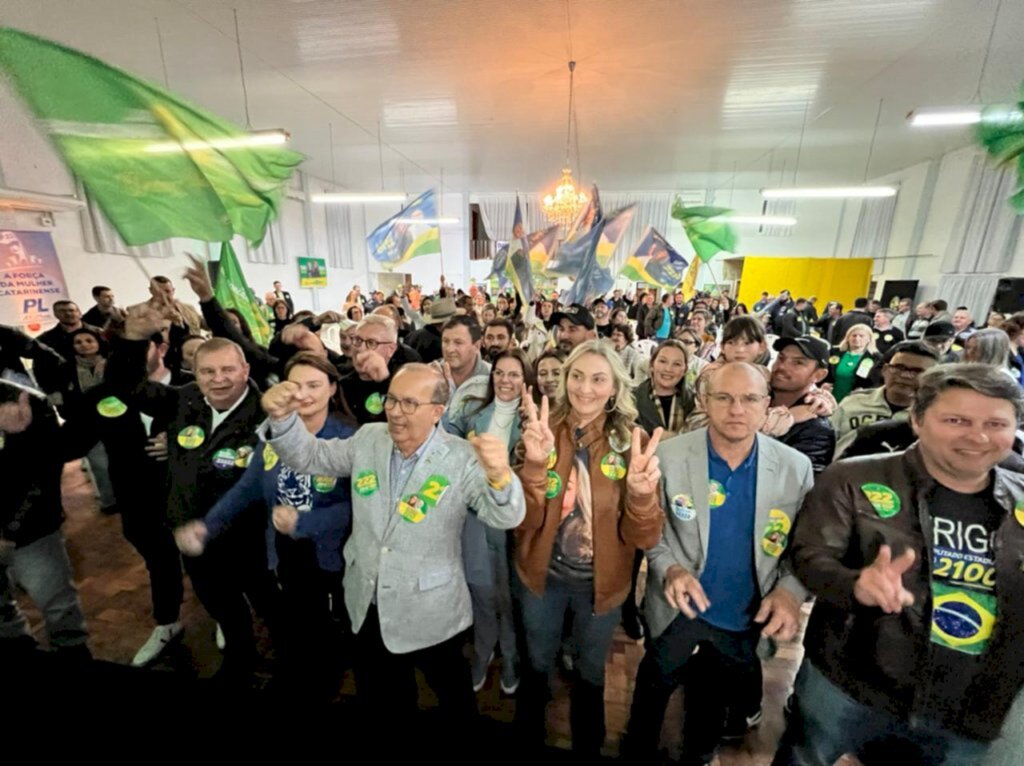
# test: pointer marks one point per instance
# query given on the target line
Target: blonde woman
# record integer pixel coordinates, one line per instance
(591, 484)
(852, 363)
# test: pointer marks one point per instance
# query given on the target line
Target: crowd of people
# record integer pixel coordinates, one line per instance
(478, 488)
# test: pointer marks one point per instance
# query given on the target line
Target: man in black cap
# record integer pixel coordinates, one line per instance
(939, 337)
(801, 364)
(574, 324)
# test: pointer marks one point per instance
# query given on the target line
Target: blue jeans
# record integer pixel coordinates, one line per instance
(827, 723)
(43, 570)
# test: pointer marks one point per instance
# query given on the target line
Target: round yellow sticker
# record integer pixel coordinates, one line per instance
(833, 360)
(269, 458)
(613, 465)
(111, 407)
(716, 494)
(776, 533)
(191, 437)
(552, 458)
(554, 485)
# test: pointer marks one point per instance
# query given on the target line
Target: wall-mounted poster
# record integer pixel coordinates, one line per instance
(312, 272)
(31, 279)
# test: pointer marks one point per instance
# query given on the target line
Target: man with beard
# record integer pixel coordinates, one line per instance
(497, 338)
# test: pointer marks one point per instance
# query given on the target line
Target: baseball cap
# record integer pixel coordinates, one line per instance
(812, 348)
(575, 313)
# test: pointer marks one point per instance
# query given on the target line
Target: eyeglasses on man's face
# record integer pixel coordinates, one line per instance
(370, 343)
(748, 401)
(408, 406)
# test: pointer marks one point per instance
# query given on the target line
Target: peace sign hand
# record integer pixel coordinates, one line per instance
(643, 475)
(538, 440)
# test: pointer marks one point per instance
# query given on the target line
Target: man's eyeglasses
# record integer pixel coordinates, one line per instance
(409, 406)
(749, 401)
(902, 369)
(370, 343)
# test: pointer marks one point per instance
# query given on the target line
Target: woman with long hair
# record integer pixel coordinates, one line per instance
(992, 347)
(664, 400)
(90, 358)
(743, 340)
(851, 363)
(547, 371)
(591, 484)
(485, 549)
(309, 520)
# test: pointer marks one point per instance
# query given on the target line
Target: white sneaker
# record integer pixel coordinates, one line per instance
(158, 640)
(221, 641)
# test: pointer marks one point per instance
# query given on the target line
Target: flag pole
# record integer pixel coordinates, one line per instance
(717, 283)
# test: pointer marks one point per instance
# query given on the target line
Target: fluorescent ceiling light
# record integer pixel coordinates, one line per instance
(433, 221)
(420, 112)
(928, 117)
(257, 138)
(829, 192)
(758, 220)
(356, 198)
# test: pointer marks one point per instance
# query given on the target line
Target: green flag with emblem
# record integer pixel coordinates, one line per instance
(233, 292)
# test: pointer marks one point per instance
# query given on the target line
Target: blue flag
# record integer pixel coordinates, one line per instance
(592, 279)
(655, 262)
(518, 232)
(400, 238)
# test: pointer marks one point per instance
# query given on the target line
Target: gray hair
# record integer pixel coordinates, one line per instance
(381, 321)
(991, 346)
(440, 392)
(980, 378)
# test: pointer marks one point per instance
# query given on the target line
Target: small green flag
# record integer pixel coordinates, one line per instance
(708, 237)
(1001, 132)
(157, 166)
(233, 292)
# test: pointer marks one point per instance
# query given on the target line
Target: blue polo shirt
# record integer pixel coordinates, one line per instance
(729, 578)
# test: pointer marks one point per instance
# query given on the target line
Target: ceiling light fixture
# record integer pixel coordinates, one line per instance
(356, 198)
(246, 141)
(564, 206)
(830, 192)
(939, 116)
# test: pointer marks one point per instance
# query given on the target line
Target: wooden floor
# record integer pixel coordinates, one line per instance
(114, 589)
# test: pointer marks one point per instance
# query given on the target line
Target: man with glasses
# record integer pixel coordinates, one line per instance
(373, 346)
(728, 490)
(900, 368)
(405, 586)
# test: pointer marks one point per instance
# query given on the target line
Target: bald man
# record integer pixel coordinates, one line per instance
(405, 587)
(728, 490)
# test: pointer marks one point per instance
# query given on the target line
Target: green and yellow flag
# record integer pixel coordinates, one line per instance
(157, 166)
(233, 292)
(707, 229)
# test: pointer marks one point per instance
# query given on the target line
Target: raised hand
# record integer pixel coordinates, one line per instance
(281, 399)
(643, 474)
(191, 538)
(881, 584)
(684, 592)
(371, 365)
(492, 454)
(538, 440)
(198, 278)
(285, 519)
(141, 321)
(780, 613)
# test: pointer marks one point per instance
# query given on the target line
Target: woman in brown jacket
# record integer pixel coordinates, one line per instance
(586, 515)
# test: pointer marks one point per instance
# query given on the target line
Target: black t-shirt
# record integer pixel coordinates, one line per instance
(666, 407)
(963, 589)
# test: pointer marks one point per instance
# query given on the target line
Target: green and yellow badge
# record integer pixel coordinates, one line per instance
(554, 485)
(224, 458)
(1018, 512)
(613, 465)
(412, 508)
(269, 458)
(374, 403)
(833, 360)
(191, 437)
(111, 407)
(365, 483)
(883, 499)
(244, 456)
(716, 494)
(776, 533)
(552, 458)
(324, 483)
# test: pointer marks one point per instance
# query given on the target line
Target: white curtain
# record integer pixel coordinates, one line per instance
(986, 231)
(271, 250)
(102, 237)
(339, 241)
(498, 211)
(975, 291)
(874, 225)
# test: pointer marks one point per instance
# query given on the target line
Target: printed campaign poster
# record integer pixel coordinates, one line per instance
(31, 279)
(312, 272)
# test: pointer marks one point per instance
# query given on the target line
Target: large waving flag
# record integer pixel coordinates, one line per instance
(689, 286)
(613, 228)
(655, 262)
(499, 266)
(588, 217)
(517, 268)
(401, 238)
(592, 279)
(543, 245)
(708, 236)
(233, 292)
(156, 165)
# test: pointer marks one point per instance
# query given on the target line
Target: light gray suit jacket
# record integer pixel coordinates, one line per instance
(413, 569)
(784, 476)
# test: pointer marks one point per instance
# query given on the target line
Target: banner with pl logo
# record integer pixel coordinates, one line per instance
(31, 279)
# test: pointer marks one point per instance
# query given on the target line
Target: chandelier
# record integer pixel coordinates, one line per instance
(564, 206)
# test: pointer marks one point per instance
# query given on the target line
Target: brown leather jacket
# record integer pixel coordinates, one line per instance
(623, 522)
(883, 660)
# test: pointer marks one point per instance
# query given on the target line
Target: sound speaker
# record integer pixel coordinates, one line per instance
(895, 289)
(1009, 297)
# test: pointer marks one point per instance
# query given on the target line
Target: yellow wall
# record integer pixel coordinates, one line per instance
(831, 279)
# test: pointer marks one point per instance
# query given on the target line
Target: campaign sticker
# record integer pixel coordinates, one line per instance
(884, 500)
(191, 437)
(374, 403)
(269, 458)
(324, 483)
(776, 533)
(716, 494)
(412, 508)
(111, 407)
(366, 483)
(224, 458)
(613, 465)
(554, 485)
(683, 508)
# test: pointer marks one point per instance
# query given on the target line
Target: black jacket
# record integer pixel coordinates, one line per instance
(60, 340)
(426, 342)
(848, 320)
(202, 468)
(815, 438)
(882, 660)
(52, 372)
(887, 338)
(793, 324)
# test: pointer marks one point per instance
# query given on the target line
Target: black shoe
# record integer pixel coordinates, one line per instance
(632, 621)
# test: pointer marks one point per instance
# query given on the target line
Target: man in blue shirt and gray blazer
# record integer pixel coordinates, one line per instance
(718, 581)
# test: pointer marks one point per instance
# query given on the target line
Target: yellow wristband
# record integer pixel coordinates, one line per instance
(504, 482)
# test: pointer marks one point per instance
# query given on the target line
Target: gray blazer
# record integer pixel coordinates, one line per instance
(413, 569)
(784, 476)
